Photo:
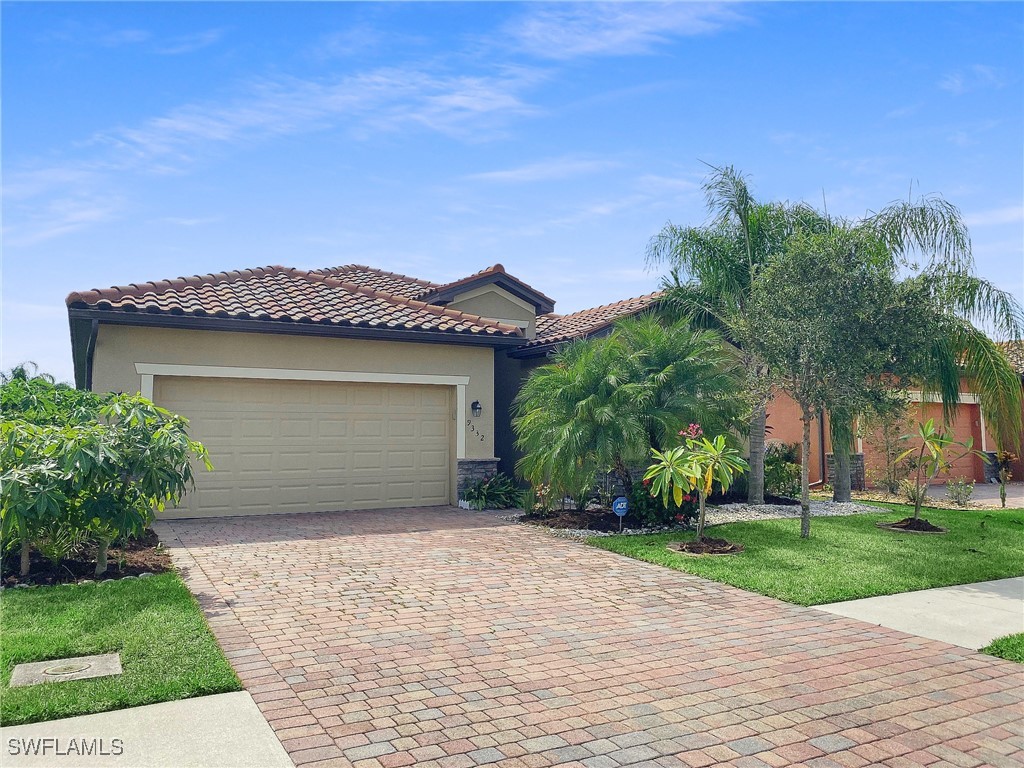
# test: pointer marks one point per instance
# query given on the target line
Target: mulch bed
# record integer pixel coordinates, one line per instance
(133, 557)
(910, 525)
(587, 520)
(706, 546)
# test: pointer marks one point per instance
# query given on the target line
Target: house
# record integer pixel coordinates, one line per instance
(969, 423)
(340, 388)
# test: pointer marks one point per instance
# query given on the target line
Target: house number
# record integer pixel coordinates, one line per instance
(474, 430)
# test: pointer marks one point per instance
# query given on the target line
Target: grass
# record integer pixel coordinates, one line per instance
(1010, 647)
(167, 650)
(848, 557)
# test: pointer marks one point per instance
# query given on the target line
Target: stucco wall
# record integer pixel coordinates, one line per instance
(784, 426)
(497, 304)
(119, 347)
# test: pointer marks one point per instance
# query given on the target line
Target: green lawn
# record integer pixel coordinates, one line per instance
(848, 557)
(1010, 647)
(167, 650)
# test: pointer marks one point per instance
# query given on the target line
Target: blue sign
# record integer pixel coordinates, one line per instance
(620, 506)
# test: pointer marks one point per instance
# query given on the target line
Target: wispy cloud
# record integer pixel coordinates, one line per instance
(546, 170)
(1009, 214)
(973, 78)
(189, 43)
(57, 199)
(570, 30)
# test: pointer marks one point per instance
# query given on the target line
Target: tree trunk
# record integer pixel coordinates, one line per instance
(622, 471)
(26, 547)
(700, 517)
(755, 480)
(841, 488)
(101, 556)
(805, 477)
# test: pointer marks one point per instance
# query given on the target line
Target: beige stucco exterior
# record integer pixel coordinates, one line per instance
(491, 301)
(120, 348)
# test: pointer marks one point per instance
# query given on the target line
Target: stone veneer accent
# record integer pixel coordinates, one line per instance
(856, 471)
(471, 470)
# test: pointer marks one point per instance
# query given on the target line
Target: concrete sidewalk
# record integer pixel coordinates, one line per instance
(969, 615)
(222, 731)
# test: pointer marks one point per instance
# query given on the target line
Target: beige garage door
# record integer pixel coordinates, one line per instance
(297, 446)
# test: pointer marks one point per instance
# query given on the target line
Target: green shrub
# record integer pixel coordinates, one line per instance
(910, 491)
(497, 492)
(960, 490)
(652, 510)
(782, 469)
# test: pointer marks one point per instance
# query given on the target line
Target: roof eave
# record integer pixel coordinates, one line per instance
(241, 325)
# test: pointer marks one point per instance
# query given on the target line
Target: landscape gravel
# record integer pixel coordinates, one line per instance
(727, 513)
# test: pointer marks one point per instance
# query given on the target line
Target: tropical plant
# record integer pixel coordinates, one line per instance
(1004, 459)
(712, 270)
(602, 403)
(932, 457)
(496, 492)
(96, 464)
(696, 465)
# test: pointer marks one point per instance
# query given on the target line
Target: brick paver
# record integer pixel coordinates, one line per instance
(442, 638)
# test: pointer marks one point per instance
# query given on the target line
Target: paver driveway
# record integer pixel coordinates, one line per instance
(446, 638)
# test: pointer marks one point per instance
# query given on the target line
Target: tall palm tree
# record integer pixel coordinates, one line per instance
(928, 242)
(601, 404)
(711, 271)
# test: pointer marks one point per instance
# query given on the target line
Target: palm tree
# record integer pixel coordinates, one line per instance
(601, 404)
(711, 271)
(943, 300)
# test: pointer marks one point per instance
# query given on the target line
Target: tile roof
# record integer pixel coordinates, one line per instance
(1014, 351)
(379, 280)
(553, 328)
(284, 294)
(494, 270)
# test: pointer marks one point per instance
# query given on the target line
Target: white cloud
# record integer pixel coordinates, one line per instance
(570, 30)
(546, 170)
(973, 78)
(58, 199)
(1009, 214)
(190, 43)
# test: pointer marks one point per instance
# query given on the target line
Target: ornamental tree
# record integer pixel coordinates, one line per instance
(696, 465)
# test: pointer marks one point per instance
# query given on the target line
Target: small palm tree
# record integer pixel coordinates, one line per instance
(602, 403)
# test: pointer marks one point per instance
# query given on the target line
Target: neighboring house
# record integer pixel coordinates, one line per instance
(341, 388)
(784, 426)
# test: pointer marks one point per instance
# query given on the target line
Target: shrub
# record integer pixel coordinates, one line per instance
(653, 512)
(497, 492)
(782, 469)
(960, 490)
(76, 466)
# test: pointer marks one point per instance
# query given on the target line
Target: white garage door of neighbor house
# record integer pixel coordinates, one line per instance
(311, 446)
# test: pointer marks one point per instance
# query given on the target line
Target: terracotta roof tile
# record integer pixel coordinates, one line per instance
(287, 295)
(1014, 351)
(553, 328)
(378, 279)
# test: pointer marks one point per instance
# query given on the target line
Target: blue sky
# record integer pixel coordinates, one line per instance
(146, 141)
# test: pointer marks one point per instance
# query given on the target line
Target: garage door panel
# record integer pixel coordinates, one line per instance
(282, 446)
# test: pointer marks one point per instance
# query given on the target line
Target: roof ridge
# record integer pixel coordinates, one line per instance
(494, 269)
(421, 281)
(612, 304)
(432, 308)
(141, 289)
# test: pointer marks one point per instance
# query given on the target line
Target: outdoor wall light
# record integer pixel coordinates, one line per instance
(476, 408)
